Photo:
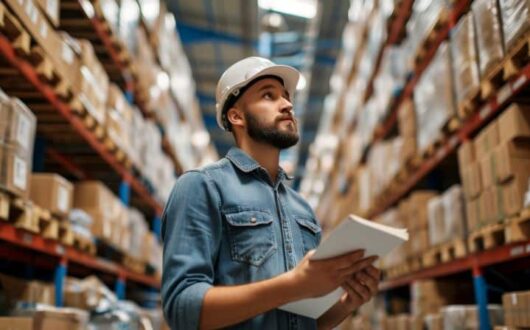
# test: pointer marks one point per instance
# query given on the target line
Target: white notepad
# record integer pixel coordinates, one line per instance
(352, 234)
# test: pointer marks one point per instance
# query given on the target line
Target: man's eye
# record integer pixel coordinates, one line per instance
(267, 95)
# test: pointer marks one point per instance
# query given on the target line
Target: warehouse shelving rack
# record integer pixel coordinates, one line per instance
(19, 245)
(477, 262)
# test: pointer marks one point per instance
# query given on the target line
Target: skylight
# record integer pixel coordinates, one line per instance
(301, 8)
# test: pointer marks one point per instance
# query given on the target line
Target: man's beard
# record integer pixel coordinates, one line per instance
(270, 134)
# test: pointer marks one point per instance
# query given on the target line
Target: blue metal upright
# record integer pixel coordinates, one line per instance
(60, 275)
(481, 297)
(119, 288)
(157, 227)
(125, 193)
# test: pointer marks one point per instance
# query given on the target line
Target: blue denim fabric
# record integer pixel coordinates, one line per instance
(228, 224)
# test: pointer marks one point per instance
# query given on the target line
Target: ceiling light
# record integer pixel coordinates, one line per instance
(302, 83)
(301, 8)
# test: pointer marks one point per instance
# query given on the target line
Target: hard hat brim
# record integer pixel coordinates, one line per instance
(288, 74)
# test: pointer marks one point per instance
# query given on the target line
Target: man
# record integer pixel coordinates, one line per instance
(237, 238)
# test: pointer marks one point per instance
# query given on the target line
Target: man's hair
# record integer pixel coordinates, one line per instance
(232, 99)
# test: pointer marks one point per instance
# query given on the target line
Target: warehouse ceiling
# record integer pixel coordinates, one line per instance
(216, 34)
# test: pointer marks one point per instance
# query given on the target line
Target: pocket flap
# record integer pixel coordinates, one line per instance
(249, 218)
(309, 224)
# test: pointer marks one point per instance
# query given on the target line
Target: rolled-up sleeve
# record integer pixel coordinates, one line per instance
(191, 232)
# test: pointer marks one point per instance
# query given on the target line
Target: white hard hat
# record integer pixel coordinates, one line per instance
(241, 73)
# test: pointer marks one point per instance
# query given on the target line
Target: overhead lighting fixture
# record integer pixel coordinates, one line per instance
(301, 8)
(302, 83)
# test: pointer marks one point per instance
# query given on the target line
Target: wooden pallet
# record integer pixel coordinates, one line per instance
(434, 33)
(48, 224)
(451, 126)
(44, 66)
(66, 234)
(487, 237)
(470, 104)
(445, 252)
(518, 228)
(397, 270)
(134, 264)
(14, 31)
(492, 80)
(84, 244)
(431, 149)
(415, 263)
(517, 57)
(88, 120)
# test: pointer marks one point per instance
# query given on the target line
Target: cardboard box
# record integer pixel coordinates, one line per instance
(61, 319)
(93, 195)
(28, 291)
(51, 10)
(509, 158)
(487, 170)
(487, 140)
(473, 213)
(491, 205)
(94, 83)
(472, 180)
(466, 155)
(102, 223)
(17, 124)
(119, 118)
(52, 192)
(514, 122)
(407, 119)
(15, 170)
(16, 323)
(513, 192)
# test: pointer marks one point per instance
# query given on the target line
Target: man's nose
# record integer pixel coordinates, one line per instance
(287, 106)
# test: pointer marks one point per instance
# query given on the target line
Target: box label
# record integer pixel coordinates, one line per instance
(23, 131)
(43, 30)
(68, 54)
(20, 175)
(52, 7)
(62, 199)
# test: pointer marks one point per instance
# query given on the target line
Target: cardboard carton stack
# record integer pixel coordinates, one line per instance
(495, 168)
(17, 136)
(52, 192)
(407, 130)
(119, 119)
(465, 61)
(414, 213)
(466, 316)
(447, 216)
(489, 34)
(516, 309)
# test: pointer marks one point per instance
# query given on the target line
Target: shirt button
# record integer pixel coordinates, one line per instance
(253, 220)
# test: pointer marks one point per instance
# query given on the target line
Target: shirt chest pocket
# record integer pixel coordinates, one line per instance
(251, 236)
(310, 231)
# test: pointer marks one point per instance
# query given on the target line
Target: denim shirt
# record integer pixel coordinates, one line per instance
(228, 224)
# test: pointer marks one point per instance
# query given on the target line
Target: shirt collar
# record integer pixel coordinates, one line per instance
(247, 164)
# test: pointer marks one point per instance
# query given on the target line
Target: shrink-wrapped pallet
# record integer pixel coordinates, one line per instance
(489, 34)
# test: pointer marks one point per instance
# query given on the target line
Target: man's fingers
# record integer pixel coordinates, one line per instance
(374, 272)
(360, 289)
(368, 281)
(357, 266)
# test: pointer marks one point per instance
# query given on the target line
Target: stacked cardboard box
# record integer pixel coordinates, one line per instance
(465, 60)
(18, 290)
(489, 34)
(434, 98)
(52, 192)
(515, 20)
(17, 136)
(403, 322)
(407, 130)
(119, 119)
(447, 216)
(466, 316)
(414, 213)
(495, 168)
(100, 203)
(516, 309)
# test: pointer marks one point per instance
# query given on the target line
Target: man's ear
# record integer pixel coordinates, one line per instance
(235, 116)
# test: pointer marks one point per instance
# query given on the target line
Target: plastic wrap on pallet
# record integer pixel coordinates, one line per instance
(138, 228)
(433, 321)
(465, 58)
(454, 213)
(434, 99)
(466, 316)
(136, 139)
(398, 255)
(110, 11)
(150, 10)
(17, 124)
(425, 15)
(129, 19)
(515, 20)
(436, 210)
(489, 33)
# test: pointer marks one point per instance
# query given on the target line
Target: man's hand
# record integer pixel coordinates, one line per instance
(360, 288)
(315, 278)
